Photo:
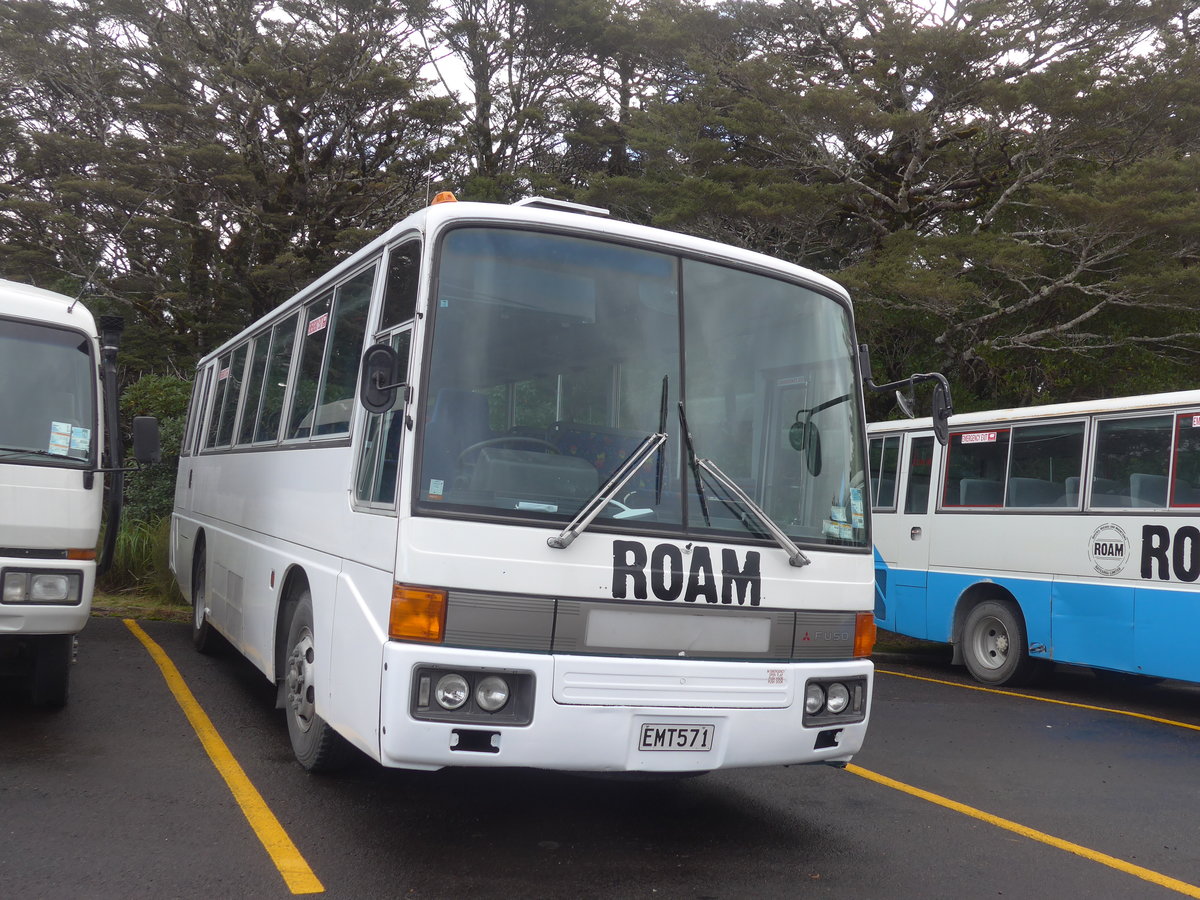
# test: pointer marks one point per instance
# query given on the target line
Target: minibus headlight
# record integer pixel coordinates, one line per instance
(837, 698)
(42, 587)
(814, 698)
(451, 691)
(491, 693)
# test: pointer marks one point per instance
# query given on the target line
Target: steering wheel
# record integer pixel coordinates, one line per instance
(507, 439)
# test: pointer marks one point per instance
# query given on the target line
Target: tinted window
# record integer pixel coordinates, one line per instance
(976, 461)
(283, 336)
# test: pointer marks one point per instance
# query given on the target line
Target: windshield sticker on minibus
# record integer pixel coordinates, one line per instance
(436, 487)
(318, 324)
(81, 441)
(979, 437)
(60, 438)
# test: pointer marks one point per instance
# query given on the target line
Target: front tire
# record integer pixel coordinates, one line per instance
(204, 637)
(994, 645)
(317, 746)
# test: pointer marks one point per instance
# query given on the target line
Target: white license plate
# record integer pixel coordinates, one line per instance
(663, 736)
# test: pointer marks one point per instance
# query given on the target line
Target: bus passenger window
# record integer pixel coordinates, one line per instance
(1185, 489)
(283, 337)
(884, 462)
(339, 377)
(312, 353)
(1125, 448)
(975, 465)
(1044, 457)
(920, 472)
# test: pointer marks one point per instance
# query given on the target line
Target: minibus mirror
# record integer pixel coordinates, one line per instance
(905, 402)
(942, 410)
(806, 438)
(147, 448)
(377, 387)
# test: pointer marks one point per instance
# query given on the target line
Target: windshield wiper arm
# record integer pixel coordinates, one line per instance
(692, 462)
(20, 451)
(796, 556)
(608, 490)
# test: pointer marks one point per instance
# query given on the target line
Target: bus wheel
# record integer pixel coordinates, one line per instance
(317, 746)
(51, 676)
(204, 636)
(994, 645)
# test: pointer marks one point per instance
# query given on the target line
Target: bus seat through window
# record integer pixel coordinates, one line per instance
(980, 492)
(1030, 492)
(1148, 490)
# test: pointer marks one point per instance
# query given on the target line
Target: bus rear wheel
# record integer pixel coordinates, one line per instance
(317, 746)
(994, 645)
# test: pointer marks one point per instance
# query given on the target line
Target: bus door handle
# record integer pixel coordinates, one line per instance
(915, 534)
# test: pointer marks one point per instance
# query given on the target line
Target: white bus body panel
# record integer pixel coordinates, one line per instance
(46, 507)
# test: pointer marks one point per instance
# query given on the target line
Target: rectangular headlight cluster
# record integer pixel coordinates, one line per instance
(41, 586)
(835, 701)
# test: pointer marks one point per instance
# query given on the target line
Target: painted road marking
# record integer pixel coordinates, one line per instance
(988, 690)
(287, 858)
(1174, 884)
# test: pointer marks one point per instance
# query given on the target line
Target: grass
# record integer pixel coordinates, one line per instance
(140, 605)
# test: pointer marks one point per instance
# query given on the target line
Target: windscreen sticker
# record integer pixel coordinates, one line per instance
(60, 438)
(436, 487)
(81, 441)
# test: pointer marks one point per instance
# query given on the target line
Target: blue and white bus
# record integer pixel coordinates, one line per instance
(1064, 533)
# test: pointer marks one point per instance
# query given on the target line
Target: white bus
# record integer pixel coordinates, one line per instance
(53, 422)
(1062, 533)
(512, 555)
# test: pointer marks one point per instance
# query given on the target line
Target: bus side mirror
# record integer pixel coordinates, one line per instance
(147, 448)
(377, 384)
(943, 407)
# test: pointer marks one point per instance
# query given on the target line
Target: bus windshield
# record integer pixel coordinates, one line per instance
(554, 356)
(47, 394)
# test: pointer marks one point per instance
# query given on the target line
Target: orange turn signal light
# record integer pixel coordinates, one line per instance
(81, 553)
(864, 634)
(444, 197)
(417, 614)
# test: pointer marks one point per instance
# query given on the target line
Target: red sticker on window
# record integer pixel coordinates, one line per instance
(979, 437)
(223, 374)
(318, 323)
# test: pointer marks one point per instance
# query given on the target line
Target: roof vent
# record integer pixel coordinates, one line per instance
(562, 206)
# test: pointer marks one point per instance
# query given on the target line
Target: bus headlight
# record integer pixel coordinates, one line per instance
(491, 693)
(451, 691)
(814, 698)
(42, 587)
(837, 698)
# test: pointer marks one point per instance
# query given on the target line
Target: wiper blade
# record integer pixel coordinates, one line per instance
(796, 556)
(607, 491)
(21, 451)
(692, 462)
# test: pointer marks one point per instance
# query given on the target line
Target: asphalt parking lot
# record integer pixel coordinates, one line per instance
(1074, 789)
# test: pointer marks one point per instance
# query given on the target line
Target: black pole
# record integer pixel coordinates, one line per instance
(111, 328)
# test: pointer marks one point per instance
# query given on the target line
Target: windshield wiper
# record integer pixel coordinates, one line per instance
(796, 556)
(608, 490)
(20, 451)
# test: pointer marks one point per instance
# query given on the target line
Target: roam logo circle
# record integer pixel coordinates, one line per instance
(1108, 549)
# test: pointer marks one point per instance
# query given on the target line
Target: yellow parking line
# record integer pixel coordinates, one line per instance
(988, 690)
(1174, 884)
(291, 865)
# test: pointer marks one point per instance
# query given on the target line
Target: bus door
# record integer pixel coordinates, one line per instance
(908, 550)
